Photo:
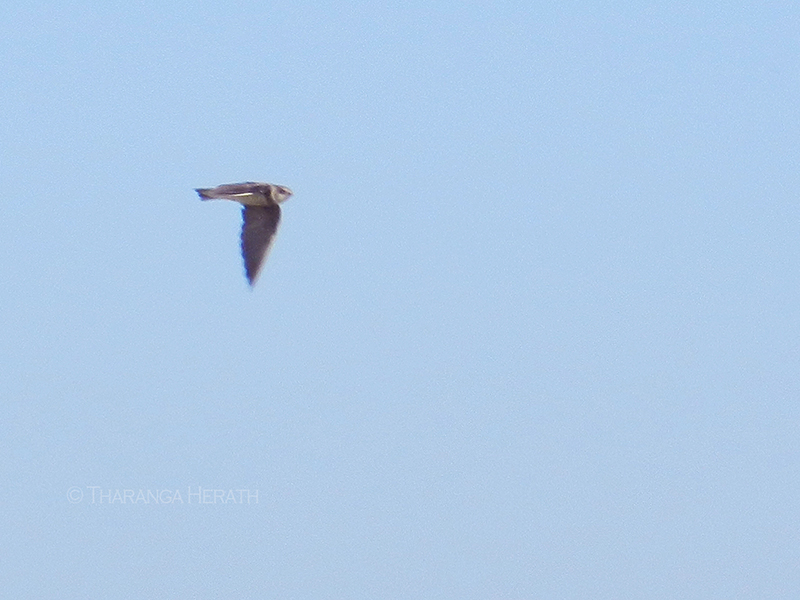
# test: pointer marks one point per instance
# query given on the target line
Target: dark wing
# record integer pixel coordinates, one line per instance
(258, 232)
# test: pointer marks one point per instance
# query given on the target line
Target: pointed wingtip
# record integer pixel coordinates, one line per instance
(202, 193)
(251, 276)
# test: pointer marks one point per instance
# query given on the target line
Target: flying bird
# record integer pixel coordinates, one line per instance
(261, 215)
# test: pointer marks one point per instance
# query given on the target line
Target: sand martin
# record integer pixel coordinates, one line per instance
(261, 214)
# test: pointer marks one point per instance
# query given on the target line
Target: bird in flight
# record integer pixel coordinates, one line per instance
(261, 215)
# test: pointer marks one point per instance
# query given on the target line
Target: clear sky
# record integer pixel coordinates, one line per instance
(529, 328)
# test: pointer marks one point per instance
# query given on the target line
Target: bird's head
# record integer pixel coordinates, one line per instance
(281, 193)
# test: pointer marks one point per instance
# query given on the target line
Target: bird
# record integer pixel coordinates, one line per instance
(261, 214)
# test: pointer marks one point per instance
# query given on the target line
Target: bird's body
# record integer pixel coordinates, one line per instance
(261, 215)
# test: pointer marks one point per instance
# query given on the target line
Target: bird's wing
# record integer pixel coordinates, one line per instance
(260, 223)
(233, 191)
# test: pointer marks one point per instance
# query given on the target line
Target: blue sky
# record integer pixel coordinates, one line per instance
(529, 328)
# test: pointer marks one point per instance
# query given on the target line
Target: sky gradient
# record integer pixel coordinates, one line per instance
(529, 328)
